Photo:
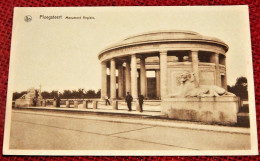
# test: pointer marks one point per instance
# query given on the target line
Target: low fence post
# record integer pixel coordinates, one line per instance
(85, 104)
(76, 103)
(54, 103)
(67, 104)
(95, 104)
(43, 103)
(115, 104)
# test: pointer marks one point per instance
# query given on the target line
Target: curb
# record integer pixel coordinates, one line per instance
(142, 119)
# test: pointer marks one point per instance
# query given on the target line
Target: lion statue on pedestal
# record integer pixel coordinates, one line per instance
(190, 88)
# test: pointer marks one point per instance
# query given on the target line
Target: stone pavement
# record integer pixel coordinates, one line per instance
(33, 129)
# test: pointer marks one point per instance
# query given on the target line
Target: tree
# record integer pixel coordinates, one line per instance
(241, 81)
(54, 94)
(46, 95)
(98, 94)
(91, 94)
(66, 94)
(17, 95)
(81, 93)
(240, 88)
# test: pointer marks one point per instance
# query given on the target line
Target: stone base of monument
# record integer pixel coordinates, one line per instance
(222, 110)
(39, 103)
(23, 103)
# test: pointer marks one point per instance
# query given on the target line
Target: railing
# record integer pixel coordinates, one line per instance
(154, 105)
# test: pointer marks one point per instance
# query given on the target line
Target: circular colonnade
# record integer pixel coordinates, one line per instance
(127, 66)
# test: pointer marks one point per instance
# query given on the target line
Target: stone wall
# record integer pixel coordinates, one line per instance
(23, 102)
(221, 109)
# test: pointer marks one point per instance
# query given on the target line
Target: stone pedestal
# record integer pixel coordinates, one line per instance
(43, 103)
(85, 104)
(54, 103)
(39, 102)
(67, 104)
(76, 104)
(115, 104)
(95, 104)
(221, 110)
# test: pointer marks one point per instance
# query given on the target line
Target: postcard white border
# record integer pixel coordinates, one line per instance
(253, 127)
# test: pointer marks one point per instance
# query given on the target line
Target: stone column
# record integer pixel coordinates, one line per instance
(127, 77)
(225, 76)
(157, 77)
(163, 74)
(120, 81)
(133, 76)
(124, 80)
(195, 66)
(112, 79)
(103, 80)
(143, 77)
(216, 61)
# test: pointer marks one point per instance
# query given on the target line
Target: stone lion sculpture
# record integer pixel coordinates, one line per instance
(190, 88)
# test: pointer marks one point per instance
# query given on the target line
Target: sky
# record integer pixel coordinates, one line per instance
(63, 53)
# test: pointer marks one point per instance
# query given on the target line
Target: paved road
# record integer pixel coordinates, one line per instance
(53, 132)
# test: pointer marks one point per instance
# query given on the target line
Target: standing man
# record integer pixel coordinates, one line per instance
(34, 101)
(107, 100)
(128, 100)
(141, 101)
(58, 100)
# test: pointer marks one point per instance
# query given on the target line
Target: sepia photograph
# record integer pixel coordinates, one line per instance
(161, 81)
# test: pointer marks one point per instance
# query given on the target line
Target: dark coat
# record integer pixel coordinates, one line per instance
(129, 98)
(141, 98)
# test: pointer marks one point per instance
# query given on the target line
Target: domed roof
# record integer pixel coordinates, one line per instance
(163, 35)
(166, 36)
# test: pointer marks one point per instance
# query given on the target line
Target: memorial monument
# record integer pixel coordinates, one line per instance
(171, 56)
(31, 98)
(27, 100)
(39, 97)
